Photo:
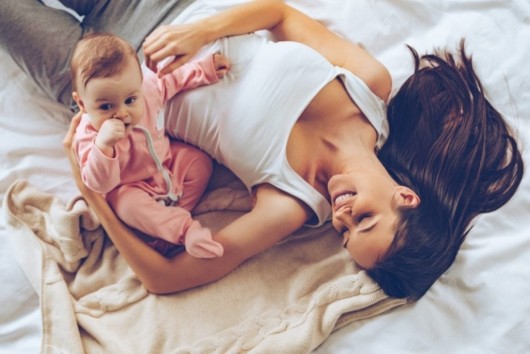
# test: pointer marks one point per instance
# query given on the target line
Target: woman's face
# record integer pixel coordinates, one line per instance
(365, 211)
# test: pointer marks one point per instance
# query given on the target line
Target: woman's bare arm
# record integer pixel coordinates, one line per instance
(285, 22)
(185, 40)
(274, 216)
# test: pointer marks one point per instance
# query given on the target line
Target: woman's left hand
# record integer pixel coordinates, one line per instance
(74, 166)
(179, 41)
(68, 143)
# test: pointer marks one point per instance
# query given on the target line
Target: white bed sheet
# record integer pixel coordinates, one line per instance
(481, 304)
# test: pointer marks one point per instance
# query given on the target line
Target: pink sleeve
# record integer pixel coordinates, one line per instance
(188, 76)
(99, 172)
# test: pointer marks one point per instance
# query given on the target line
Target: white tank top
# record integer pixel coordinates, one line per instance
(244, 120)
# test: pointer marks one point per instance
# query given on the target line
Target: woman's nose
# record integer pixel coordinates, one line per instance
(344, 215)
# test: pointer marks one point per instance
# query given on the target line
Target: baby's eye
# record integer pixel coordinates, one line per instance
(105, 106)
(130, 100)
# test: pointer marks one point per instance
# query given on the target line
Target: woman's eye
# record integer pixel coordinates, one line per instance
(363, 217)
(347, 238)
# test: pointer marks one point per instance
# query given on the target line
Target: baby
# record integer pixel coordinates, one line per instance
(152, 183)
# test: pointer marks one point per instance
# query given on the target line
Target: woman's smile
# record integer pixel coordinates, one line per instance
(342, 199)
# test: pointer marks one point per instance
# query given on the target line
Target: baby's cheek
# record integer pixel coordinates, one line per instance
(139, 113)
(97, 121)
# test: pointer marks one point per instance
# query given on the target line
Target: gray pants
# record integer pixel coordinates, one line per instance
(40, 39)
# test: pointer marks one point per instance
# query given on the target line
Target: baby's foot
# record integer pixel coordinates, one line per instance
(199, 242)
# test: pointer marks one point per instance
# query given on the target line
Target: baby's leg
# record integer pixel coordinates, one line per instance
(191, 169)
(138, 209)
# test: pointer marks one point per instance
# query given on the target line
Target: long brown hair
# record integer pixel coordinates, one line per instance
(451, 146)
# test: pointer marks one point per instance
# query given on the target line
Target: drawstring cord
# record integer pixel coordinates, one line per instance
(169, 198)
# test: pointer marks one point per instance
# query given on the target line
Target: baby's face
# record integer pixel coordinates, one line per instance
(115, 97)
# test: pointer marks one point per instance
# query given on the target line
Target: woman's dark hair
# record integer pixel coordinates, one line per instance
(449, 145)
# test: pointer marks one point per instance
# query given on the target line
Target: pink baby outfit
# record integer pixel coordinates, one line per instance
(153, 183)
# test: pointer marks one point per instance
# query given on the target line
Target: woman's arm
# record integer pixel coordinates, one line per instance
(285, 22)
(274, 216)
(184, 40)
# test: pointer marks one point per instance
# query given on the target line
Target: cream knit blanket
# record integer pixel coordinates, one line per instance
(286, 300)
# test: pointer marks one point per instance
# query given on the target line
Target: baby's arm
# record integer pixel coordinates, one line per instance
(204, 71)
(98, 171)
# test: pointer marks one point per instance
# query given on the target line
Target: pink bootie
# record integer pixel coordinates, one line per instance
(199, 243)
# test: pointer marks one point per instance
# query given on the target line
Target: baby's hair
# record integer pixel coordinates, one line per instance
(99, 55)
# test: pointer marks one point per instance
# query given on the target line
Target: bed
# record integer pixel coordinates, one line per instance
(480, 305)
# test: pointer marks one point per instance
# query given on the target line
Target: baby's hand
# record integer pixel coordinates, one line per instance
(111, 131)
(221, 64)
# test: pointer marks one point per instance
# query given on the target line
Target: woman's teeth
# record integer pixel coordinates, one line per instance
(343, 197)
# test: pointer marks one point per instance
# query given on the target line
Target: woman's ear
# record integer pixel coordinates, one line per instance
(79, 101)
(406, 197)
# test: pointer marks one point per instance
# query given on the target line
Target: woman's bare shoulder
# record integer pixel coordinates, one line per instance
(296, 26)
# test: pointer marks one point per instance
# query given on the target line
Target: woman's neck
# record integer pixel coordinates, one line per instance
(350, 149)
(318, 150)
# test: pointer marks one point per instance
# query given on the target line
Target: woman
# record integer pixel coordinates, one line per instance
(440, 123)
(405, 223)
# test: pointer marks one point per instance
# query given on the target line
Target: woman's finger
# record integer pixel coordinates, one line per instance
(152, 47)
(178, 42)
(157, 52)
(153, 36)
(159, 39)
(69, 137)
(177, 62)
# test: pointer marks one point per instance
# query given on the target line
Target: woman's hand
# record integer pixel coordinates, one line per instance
(67, 145)
(87, 193)
(178, 41)
(184, 41)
